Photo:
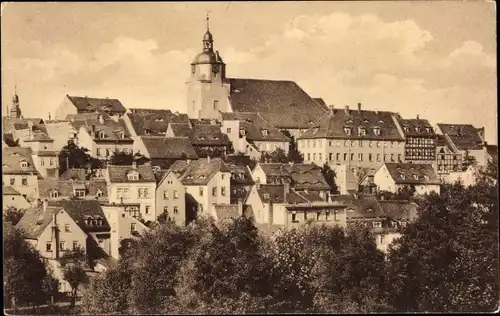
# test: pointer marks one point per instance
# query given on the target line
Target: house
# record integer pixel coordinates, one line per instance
(468, 177)
(279, 205)
(345, 179)
(492, 151)
(301, 177)
(80, 105)
(206, 137)
(210, 92)
(25, 129)
(163, 151)
(135, 188)
(151, 122)
(12, 198)
(250, 134)
(394, 176)
(61, 132)
(448, 157)
(241, 181)
(171, 197)
(19, 171)
(207, 182)
(58, 189)
(44, 156)
(123, 227)
(420, 140)
(354, 137)
(103, 136)
(466, 139)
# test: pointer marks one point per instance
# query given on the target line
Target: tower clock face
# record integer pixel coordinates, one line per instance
(215, 68)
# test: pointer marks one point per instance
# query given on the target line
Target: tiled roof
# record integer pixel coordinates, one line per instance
(85, 104)
(8, 138)
(12, 158)
(112, 130)
(35, 220)
(399, 210)
(240, 175)
(256, 128)
(463, 136)
(208, 135)
(156, 122)
(274, 193)
(333, 124)
(226, 211)
(80, 210)
(269, 230)
(160, 147)
(65, 188)
(74, 174)
(321, 102)
(9, 191)
(239, 160)
(282, 103)
(492, 150)
(46, 153)
(304, 176)
(416, 127)
(8, 122)
(442, 141)
(310, 196)
(39, 137)
(199, 172)
(365, 207)
(410, 173)
(119, 173)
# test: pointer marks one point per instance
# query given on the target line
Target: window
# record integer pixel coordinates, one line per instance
(165, 195)
(377, 224)
(133, 176)
(294, 218)
(61, 245)
(100, 241)
(392, 157)
(242, 132)
(99, 153)
(327, 214)
(360, 157)
(223, 191)
(330, 156)
(24, 164)
(24, 181)
(228, 130)
(264, 132)
(347, 130)
(305, 216)
(48, 246)
(201, 207)
(214, 191)
(352, 157)
(345, 156)
(148, 208)
(66, 227)
(176, 210)
(165, 210)
(362, 131)
(102, 135)
(399, 157)
(314, 143)
(402, 176)
(201, 191)
(320, 157)
(338, 156)
(314, 156)
(132, 227)
(12, 181)
(216, 105)
(415, 177)
(370, 157)
(405, 128)
(54, 194)
(75, 245)
(417, 129)
(80, 193)
(42, 162)
(378, 144)
(309, 157)
(376, 131)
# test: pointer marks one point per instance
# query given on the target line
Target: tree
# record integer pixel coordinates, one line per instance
(121, 158)
(72, 156)
(12, 215)
(74, 266)
(330, 176)
(293, 153)
(277, 156)
(50, 285)
(448, 259)
(468, 160)
(24, 270)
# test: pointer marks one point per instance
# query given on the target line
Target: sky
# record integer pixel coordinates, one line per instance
(432, 59)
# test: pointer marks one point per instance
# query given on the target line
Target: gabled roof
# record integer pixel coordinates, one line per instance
(119, 173)
(226, 211)
(273, 193)
(399, 210)
(154, 121)
(112, 130)
(35, 220)
(416, 127)
(463, 136)
(321, 102)
(240, 175)
(39, 137)
(6, 190)
(201, 171)
(272, 98)
(8, 122)
(332, 125)
(160, 147)
(81, 210)
(410, 173)
(73, 174)
(12, 158)
(304, 176)
(201, 134)
(365, 207)
(444, 141)
(85, 104)
(310, 197)
(66, 188)
(255, 127)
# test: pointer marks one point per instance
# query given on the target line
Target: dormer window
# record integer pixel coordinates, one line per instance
(147, 131)
(99, 193)
(415, 176)
(265, 132)
(428, 129)
(417, 129)
(347, 130)
(80, 192)
(242, 132)
(402, 176)
(54, 194)
(24, 164)
(102, 134)
(426, 177)
(362, 131)
(315, 130)
(406, 129)
(122, 134)
(133, 176)
(376, 131)
(266, 196)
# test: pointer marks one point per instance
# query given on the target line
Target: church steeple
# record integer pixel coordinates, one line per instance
(208, 41)
(15, 111)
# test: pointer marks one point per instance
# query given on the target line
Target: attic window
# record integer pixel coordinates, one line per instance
(428, 129)
(376, 131)
(402, 176)
(99, 193)
(426, 177)
(362, 131)
(54, 194)
(265, 132)
(347, 130)
(242, 132)
(80, 192)
(215, 137)
(147, 131)
(102, 134)
(417, 129)
(133, 176)
(415, 176)
(405, 128)
(122, 134)
(266, 196)
(24, 164)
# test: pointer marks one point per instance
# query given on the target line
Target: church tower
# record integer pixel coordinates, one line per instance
(207, 88)
(15, 111)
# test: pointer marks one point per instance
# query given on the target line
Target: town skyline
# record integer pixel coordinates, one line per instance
(436, 60)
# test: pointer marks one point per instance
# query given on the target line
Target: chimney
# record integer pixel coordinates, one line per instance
(208, 158)
(418, 117)
(101, 118)
(286, 189)
(332, 109)
(55, 243)
(45, 205)
(240, 207)
(257, 185)
(347, 109)
(92, 131)
(270, 215)
(134, 165)
(359, 107)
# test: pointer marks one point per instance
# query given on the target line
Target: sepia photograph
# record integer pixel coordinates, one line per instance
(249, 157)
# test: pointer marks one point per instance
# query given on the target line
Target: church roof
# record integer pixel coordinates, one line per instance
(86, 104)
(272, 99)
(254, 126)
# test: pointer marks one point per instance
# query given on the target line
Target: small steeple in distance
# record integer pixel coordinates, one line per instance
(15, 111)
(208, 40)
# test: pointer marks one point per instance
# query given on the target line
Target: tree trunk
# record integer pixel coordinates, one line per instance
(52, 300)
(73, 297)
(14, 307)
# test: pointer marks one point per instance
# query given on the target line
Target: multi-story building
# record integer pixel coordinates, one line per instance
(394, 176)
(19, 171)
(209, 92)
(12, 198)
(135, 188)
(151, 122)
(251, 135)
(357, 138)
(171, 197)
(59, 189)
(61, 131)
(164, 151)
(448, 157)
(420, 145)
(44, 156)
(79, 105)
(207, 182)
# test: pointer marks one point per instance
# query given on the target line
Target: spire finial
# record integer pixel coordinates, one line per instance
(208, 22)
